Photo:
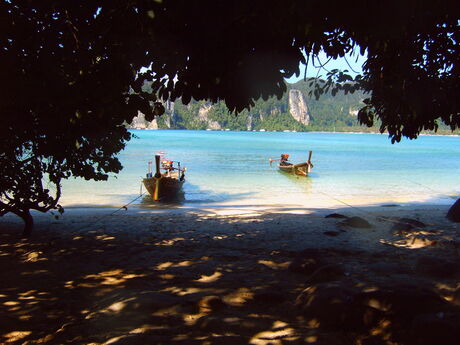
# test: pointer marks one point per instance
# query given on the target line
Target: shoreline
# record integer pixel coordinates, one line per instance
(285, 131)
(249, 204)
(218, 209)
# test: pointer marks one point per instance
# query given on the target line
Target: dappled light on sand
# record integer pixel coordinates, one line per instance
(16, 336)
(275, 335)
(209, 279)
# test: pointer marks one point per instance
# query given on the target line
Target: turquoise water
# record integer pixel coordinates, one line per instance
(226, 167)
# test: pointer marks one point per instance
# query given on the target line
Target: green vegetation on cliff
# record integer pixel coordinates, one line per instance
(336, 113)
(328, 113)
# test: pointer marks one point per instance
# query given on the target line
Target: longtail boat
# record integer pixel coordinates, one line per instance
(167, 184)
(301, 169)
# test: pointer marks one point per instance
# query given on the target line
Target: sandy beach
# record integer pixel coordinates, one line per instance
(232, 275)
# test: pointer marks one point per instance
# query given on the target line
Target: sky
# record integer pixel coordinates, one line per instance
(340, 64)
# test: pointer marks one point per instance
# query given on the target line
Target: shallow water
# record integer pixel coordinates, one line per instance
(232, 168)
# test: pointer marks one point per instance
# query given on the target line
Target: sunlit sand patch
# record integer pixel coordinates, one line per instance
(191, 319)
(145, 328)
(112, 277)
(28, 293)
(313, 323)
(209, 279)
(32, 303)
(182, 291)
(366, 288)
(16, 336)
(220, 237)
(381, 329)
(235, 212)
(273, 337)
(116, 307)
(105, 237)
(169, 242)
(164, 265)
(274, 265)
(166, 276)
(305, 211)
(410, 243)
(377, 304)
(239, 297)
(311, 339)
(279, 324)
(69, 284)
(442, 286)
(33, 257)
(10, 303)
(26, 297)
(114, 340)
(169, 264)
(25, 317)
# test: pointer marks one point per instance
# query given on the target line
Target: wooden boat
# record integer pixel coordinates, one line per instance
(167, 184)
(301, 169)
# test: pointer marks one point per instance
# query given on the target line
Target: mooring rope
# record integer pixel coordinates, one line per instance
(124, 207)
(429, 188)
(393, 221)
(342, 202)
(386, 219)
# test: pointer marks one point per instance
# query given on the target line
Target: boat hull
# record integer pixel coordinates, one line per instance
(302, 169)
(163, 188)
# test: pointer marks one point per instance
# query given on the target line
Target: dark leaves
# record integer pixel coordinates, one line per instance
(73, 60)
(158, 109)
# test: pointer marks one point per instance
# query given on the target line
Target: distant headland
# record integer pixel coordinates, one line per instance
(296, 111)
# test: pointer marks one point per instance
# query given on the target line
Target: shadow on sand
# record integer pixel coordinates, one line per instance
(272, 278)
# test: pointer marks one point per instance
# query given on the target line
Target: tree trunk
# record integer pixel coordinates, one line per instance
(28, 223)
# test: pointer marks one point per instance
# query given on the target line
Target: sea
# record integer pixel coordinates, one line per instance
(231, 168)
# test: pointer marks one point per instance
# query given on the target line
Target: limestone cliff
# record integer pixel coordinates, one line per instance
(203, 116)
(291, 112)
(139, 122)
(153, 124)
(298, 107)
(353, 112)
(249, 123)
(168, 119)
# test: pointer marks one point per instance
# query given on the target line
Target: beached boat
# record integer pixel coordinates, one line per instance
(164, 185)
(301, 169)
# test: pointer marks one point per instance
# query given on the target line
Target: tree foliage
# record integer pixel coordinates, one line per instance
(64, 95)
(241, 51)
(70, 71)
